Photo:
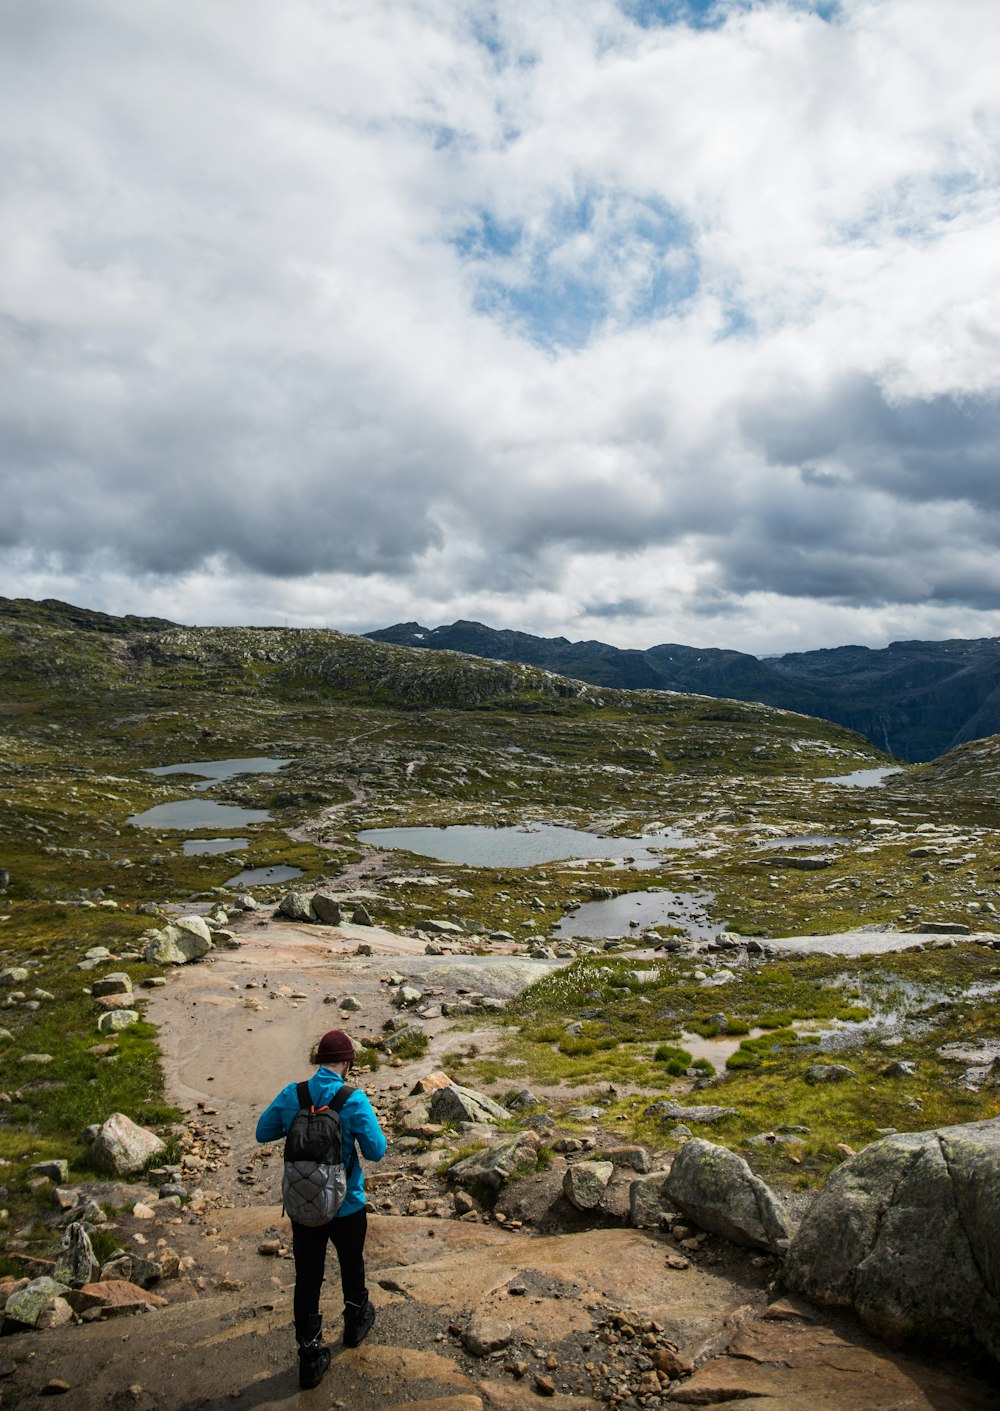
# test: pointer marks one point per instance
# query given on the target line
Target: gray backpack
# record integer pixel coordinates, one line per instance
(315, 1177)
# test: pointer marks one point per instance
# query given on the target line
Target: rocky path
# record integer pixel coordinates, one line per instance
(473, 1313)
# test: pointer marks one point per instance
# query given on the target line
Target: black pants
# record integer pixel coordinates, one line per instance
(347, 1235)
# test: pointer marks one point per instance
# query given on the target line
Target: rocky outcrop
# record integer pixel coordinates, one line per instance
(717, 1190)
(906, 1234)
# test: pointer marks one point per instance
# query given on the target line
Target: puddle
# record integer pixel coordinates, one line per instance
(477, 846)
(203, 847)
(198, 813)
(716, 1050)
(213, 771)
(861, 778)
(261, 876)
(615, 916)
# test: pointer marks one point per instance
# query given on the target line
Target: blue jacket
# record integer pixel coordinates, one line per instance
(357, 1121)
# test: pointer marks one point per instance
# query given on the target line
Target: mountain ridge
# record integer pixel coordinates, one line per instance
(914, 699)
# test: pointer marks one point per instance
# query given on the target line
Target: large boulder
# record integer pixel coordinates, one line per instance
(187, 938)
(717, 1190)
(906, 1233)
(296, 906)
(123, 1148)
(649, 1204)
(495, 1164)
(27, 1304)
(458, 1104)
(326, 909)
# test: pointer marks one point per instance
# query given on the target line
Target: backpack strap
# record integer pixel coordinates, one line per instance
(340, 1097)
(304, 1096)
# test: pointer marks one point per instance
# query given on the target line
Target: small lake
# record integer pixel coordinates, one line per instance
(861, 778)
(528, 846)
(213, 771)
(203, 847)
(198, 813)
(261, 876)
(630, 913)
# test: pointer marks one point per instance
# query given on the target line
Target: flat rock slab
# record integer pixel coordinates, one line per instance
(787, 1367)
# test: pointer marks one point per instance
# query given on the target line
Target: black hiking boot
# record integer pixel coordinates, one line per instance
(359, 1319)
(314, 1358)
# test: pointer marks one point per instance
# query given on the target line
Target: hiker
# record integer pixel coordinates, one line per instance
(327, 1092)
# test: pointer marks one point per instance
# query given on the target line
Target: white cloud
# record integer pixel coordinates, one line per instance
(459, 310)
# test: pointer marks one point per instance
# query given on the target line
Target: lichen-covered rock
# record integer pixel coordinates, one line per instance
(458, 1104)
(122, 1147)
(906, 1234)
(117, 1019)
(828, 1073)
(584, 1183)
(27, 1304)
(296, 906)
(717, 1190)
(76, 1262)
(177, 944)
(57, 1170)
(495, 1164)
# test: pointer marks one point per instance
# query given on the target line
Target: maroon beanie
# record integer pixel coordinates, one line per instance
(335, 1047)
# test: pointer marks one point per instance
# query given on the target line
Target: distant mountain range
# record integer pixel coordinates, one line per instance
(913, 699)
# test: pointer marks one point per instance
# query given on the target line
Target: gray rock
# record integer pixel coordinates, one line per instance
(76, 1262)
(245, 902)
(297, 907)
(406, 995)
(117, 1019)
(583, 1114)
(717, 1190)
(14, 975)
(177, 944)
(525, 1098)
(635, 1157)
(649, 1204)
(486, 1335)
(57, 1170)
(409, 1031)
(123, 1148)
(326, 909)
(117, 983)
(351, 1003)
(26, 1306)
(902, 1068)
(828, 1073)
(458, 1104)
(585, 1182)
(361, 915)
(443, 928)
(494, 1165)
(667, 1109)
(906, 1234)
(134, 1269)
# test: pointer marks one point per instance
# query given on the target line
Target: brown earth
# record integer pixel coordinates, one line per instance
(598, 1316)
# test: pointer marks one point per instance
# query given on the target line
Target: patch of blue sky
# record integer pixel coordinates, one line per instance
(603, 260)
(712, 14)
(915, 208)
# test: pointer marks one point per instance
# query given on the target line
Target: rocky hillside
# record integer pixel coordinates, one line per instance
(914, 700)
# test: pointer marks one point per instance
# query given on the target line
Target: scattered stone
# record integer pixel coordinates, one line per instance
(406, 995)
(123, 1148)
(457, 1104)
(56, 1170)
(828, 1073)
(716, 1188)
(115, 1297)
(635, 1157)
(486, 1335)
(495, 1164)
(649, 1204)
(55, 1386)
(133, 1269)
(361, 915)
(902, 1068)
(351, 1003)
(76, 1262)
(117, 983)
(297, 907)
(666, 1109)
(114, 1020)
(27, 1304)
(585, 1183)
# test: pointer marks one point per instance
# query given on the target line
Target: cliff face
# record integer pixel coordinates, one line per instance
(913, 699)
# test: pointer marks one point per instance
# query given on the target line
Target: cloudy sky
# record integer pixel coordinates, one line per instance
(646, 320)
